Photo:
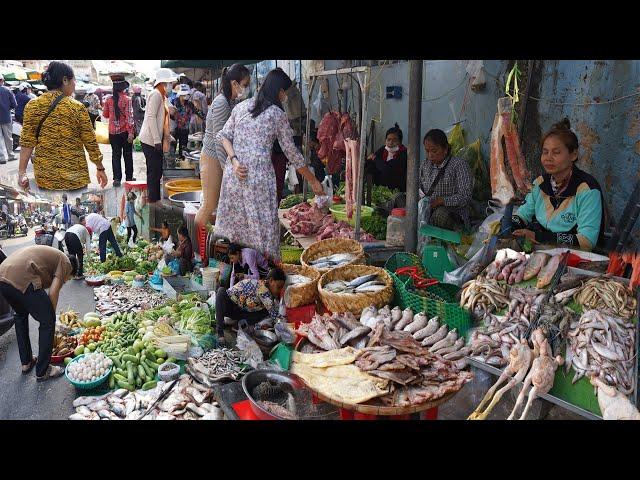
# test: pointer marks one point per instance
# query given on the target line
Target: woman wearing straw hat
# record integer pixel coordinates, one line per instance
(154, 134)
(122, 130)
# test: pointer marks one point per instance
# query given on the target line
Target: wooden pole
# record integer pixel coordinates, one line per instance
(413, 154)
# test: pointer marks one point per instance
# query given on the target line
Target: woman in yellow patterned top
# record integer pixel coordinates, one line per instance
(59, 162)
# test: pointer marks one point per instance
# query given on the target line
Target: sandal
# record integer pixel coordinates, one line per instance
(27, 368)
(52, 372)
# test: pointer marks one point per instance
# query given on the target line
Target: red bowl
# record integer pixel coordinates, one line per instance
(60, 358)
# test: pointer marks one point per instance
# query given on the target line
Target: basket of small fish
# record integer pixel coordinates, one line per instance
(353, 287)
(301, 286)
(331, 253)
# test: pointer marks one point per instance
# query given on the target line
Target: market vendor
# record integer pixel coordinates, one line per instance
(388, 165)
(24, 276)
(249, 299)
(184, 251)
(74, 238)
(447, 181)
(246, 263)
(102, 227)
(565, 205)
(130, 216)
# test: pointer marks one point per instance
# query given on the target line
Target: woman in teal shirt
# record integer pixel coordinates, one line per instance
(565, 205)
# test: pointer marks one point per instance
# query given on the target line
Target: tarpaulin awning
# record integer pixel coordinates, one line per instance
(210, 64)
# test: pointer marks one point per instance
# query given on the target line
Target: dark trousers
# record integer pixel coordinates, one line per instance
(93, 117)
(37, 304)
(133, 229)
(182, 137)
(121, 147)
(74, 247)
(102, 244)
(279, 161)
(154, 160)
(225, 307)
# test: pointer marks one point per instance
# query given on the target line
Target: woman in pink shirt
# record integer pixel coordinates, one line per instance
(122, 129)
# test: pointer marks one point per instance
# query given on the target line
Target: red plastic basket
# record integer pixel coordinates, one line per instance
(202, 243)
(303, 314)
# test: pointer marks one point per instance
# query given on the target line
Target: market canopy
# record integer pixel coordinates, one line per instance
(15, 73)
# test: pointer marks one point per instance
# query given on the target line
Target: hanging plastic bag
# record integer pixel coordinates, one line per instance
(250, 349)
(424, 214)
(292, 177)
(473, 267)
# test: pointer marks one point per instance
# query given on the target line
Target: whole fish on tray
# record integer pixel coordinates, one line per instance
(548, 271)
(363, 284)
(332, 260)
(536, 262)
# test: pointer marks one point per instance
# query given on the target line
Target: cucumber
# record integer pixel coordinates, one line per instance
(138, 383)
(116, 361)
(131, 351)
(149, 385)
(141, 373)
(160, 353)
(130, 373)
(119, 376)
(152, 365)
(148, 370)
(112, 381)
(130, 358)
(126, 385)
(151, 356)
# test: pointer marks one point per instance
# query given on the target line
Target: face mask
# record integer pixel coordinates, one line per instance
(392, 150)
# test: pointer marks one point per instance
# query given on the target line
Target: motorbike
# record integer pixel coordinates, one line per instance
(21, 225)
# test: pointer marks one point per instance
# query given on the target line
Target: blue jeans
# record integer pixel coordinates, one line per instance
(102, 244)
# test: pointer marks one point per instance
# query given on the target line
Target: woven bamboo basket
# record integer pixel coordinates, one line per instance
(303, 294)
(354, 302)
(330, 246)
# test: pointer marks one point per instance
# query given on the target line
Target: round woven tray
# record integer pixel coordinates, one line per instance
(303, 294)
(354, 302)
(331, 246)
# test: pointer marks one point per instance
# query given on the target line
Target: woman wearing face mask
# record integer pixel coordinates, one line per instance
(248, 209)
(389, 164)
(235, 83)
(447, 182)
(154, 134)
(565, 205)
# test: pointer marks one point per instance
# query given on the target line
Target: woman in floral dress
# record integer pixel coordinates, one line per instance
(248, 209)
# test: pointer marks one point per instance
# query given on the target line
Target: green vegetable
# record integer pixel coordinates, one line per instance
(381, 194)
(171, 360)
(126, 385)
(293, 200)
(375, 225)
(138, 383)
(160, 353)
(141, 373)
(112, 381)
(149, 385)
(130, 358)
(67, 360)
(130, 373)
(119, 377)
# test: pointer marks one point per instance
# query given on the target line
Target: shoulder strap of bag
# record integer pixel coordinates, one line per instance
(438, 178)
(54, 104)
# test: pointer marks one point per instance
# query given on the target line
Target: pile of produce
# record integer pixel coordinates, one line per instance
(375, 225)
(123, 298)
(62, 345)
(89, 368)
(138, 366)
(484, 293)
(120, 332)
(69, 319)
(292, 200)
(91, 336)
(216, 365)
(606, 293)
(603, 346)
(187, 401)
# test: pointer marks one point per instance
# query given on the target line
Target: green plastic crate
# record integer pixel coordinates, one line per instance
(403, 259)
(441, 302)
(436, 261)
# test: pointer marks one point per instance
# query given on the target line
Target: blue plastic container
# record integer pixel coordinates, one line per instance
(86, 385)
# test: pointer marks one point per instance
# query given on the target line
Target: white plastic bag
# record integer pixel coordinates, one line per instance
(483, 234)
(424, 214)
(292, 177)
(473, 267)
(167, 247)
(250, 349)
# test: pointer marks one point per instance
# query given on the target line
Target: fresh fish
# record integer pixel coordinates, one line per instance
(370, 284)
(369, 289)
(215, 414)
(84, 411)
(77, 416)
(356, 282)
(407, 318)
(419, 322)
(106, 414)
(336, 258)
(121, 392)
(87, 400)
(323, 265)
(165, 416)
(119, 410)
(536, 262)
(430, 329)
(336, 286)
(547, 272)
(296, 280)
(99, 405)
(436, 337)
(367, 313)
(129, 405)
(396, 315)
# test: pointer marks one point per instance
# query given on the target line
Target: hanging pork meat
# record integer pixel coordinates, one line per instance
(502, 187)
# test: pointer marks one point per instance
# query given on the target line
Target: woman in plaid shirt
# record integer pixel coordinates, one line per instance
(122, 130)
(447, 181)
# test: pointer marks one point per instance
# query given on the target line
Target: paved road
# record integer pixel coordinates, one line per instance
(21, 397)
